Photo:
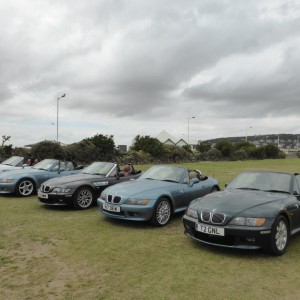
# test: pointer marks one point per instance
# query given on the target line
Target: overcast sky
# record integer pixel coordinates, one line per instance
(132, 67)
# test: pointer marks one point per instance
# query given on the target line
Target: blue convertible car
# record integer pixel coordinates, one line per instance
(159, 192)
(26, 181)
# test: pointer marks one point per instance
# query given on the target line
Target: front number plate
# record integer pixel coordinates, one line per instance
(42, 195)
(110, 207)
(209, 229)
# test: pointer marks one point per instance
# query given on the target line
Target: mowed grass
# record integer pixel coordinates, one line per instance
(61, 253)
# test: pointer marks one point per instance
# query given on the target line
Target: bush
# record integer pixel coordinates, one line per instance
(47, 149)
(83, 152)
(240, 154)
(213, 154)
(136, 157)
(175, 154)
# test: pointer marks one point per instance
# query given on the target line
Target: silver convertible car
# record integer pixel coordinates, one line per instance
(156, 195)
(26, 181)
(12, 163)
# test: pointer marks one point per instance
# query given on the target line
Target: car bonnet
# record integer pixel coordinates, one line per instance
(73, 179)
(17, 172)
(235, 201)
(143, 188)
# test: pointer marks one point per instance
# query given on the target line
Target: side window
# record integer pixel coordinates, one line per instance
(55, 169)
(114, 171)
(20, 164)
(296, 185)
(69, 166)
(62, 166)
(186, 178)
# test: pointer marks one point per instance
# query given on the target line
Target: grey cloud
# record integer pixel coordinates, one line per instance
(131, 59)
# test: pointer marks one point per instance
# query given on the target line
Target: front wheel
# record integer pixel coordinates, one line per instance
(161, 213)
(25, 188)
(214, 189)
(279, 237)
(83, 198)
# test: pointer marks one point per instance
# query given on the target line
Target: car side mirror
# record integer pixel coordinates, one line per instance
(118, 175)
(193, 181)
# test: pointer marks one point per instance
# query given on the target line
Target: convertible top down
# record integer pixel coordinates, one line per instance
(256, 210)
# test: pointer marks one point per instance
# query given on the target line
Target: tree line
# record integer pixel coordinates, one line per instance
(144, 150)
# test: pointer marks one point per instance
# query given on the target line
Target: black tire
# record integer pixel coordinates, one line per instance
(161, 213)
(83, 198)
(214, 189)
(279, 237)
(25, 188)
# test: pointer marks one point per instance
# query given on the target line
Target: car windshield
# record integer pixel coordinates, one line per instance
(164, 173)
(263, 181)
(46, 164)
(99, 168)
(12, 161)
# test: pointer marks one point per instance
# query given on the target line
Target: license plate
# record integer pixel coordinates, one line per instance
(210, 229)
(42, 195)
(110, 207)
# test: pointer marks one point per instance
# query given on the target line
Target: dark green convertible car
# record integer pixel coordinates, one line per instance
(256, 210)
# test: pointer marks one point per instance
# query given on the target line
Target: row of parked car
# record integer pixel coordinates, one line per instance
(256, 210)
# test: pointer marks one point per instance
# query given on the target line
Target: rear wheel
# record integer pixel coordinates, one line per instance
(161, 213)
(25, 187)
(83, 198)
(279, 236)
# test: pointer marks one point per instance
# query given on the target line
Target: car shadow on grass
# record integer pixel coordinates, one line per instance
(247, 253)
(175, 220)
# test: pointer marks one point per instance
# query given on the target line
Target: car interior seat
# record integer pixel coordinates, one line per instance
(127, 170)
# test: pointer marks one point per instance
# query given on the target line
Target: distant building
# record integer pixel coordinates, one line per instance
(167, 139)
(122, 148)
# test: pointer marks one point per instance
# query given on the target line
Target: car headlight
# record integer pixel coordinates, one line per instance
(102, 196)
(241, 221)
(133, 201)
(6, 180)
(61, 190)
(191, 213)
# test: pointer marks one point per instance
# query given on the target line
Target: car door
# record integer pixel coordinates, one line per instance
(188, 190)
(196, 189)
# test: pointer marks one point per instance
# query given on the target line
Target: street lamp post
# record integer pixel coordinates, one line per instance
(247, 133)
(189, 128)
(58, 98)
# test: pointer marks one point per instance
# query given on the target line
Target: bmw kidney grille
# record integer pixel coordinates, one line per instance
(45, 188)
(212, 217)
(113, 199)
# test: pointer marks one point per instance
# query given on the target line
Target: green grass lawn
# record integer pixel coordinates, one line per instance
(61, 253)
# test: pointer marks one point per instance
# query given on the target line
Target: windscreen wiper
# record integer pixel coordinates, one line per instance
(248, 188)
(169, 180)
(277, 191)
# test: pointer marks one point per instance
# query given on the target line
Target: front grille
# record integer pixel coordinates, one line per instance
(212, 217)
(205, 216)
(217, 218)
(46, 188)
(113, 199)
